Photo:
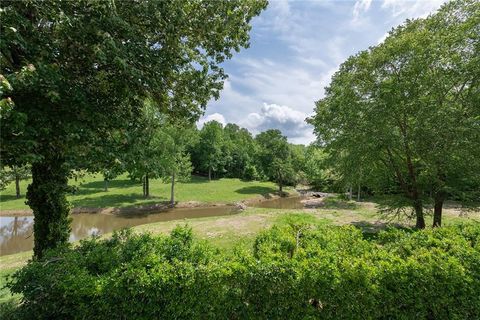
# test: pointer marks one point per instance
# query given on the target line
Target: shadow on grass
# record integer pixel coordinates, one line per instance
(124, 183)
(10, 197)
(256, 190)
(371, 229)
(116, 200)
(338, 203)
(8, 308)
(197, 179)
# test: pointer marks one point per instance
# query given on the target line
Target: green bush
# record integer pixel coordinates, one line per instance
(296, 271)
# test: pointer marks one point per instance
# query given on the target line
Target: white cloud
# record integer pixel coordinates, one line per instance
(214, 116)
(289, 121)
(281, 83)
(271, 116)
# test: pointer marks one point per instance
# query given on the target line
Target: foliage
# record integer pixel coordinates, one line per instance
(402, 117)
(296, 271)
(318, 171)
(242, 151)
(9, 175)
(209, 150)
(275, 157)
(144, 155)
(176, 164)
(77, 71)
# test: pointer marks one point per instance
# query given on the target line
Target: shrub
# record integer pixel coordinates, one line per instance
(295, 271)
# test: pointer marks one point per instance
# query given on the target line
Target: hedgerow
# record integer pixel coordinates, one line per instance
(293, 272)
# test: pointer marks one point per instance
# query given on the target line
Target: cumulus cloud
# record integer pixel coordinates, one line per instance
(289, 121)
(214, 116)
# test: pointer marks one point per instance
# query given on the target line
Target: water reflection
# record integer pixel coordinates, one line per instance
(16, 233)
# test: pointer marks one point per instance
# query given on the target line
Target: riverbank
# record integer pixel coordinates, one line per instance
(241, 228)
(125, 196)
(157, 207)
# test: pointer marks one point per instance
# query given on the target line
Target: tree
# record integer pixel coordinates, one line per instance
(318, 171)
(299, 162)
(408, 109)
(209, 150)
(7, 175)
(241, 150)
(275, 157)
(176, 164)
(81, 69)
(143, 158)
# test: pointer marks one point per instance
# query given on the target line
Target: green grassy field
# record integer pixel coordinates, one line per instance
(123, 192)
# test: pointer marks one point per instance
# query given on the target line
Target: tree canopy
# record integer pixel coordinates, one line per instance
(407, 110)
(275, 157)
(79, 70)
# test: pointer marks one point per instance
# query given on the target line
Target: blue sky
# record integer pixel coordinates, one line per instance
(295, 48)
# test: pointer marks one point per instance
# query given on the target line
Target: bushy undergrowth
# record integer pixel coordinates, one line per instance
(293, 272)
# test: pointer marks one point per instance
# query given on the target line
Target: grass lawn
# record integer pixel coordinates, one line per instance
(123, 192)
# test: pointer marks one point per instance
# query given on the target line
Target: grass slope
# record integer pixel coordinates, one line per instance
(123, 192)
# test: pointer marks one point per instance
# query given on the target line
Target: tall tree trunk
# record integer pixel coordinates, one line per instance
(105, 185)
(172, 190)
(420, 218)
(350, 193)
(17, 185)
(210, 173)
(147, 186)
(358, 192)
(438, 208)
(46, 196)
(144, 191)
(280, 182)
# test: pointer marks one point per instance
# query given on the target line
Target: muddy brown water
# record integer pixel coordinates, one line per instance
(16, 233)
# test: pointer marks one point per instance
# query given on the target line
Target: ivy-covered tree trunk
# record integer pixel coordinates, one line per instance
(46, 196)
(172, 190)
(17, 185)
(210, 173)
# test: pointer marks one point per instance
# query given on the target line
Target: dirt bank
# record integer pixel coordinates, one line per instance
(151, 207)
